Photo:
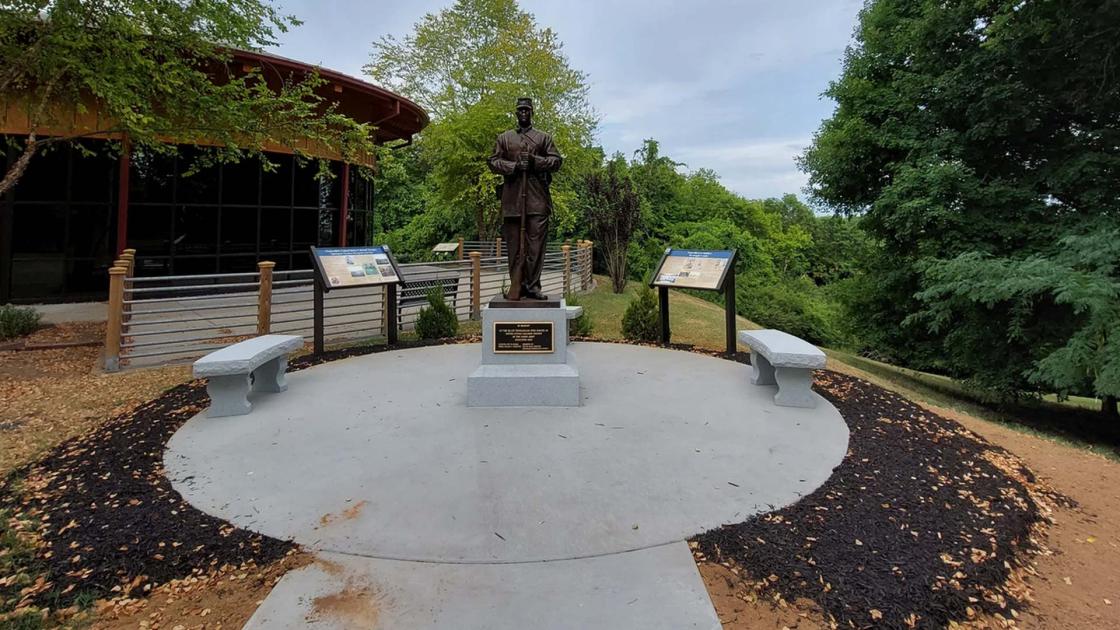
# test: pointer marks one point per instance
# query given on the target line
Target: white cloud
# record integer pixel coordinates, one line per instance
(726, 84)
(753, 168)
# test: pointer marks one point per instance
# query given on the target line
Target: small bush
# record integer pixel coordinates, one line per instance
(641, 321)
(580, 326)
(437, 320)
(17, 321)
(794, 306)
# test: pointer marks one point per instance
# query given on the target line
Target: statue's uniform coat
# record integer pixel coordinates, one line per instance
(538, 199)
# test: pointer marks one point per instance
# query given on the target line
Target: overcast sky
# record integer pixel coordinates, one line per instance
(730, 85)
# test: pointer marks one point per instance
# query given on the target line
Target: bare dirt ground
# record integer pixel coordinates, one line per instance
(1078, 584)
(48, 396)
(215, 601)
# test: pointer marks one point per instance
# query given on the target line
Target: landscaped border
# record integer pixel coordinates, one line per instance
(923, 522)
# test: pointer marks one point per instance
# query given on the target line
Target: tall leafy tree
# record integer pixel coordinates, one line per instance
(158, 72)
(467, 65)
(613, 209)
(984, 129)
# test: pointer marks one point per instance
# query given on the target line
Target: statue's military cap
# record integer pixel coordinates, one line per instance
(524, 102)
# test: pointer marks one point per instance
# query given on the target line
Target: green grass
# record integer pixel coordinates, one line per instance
(18, 559)
(1075, 422)
(692, 320)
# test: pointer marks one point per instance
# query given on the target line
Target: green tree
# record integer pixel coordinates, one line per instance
(641, 321)
(612, 209)
(973, 132)
(159, 72)
(467, 65)
(1077, 283)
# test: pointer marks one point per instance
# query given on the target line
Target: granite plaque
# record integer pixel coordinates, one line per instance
(523, 338)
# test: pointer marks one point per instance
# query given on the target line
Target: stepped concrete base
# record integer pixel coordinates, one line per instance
(544, 385)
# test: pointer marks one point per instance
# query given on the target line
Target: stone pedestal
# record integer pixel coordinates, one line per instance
(525, 357)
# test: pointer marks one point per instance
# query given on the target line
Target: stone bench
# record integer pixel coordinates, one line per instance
(781, 359)
(572, 312)
(260, 361)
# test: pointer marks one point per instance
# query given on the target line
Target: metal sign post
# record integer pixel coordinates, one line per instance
(702, 270)
(354, 267)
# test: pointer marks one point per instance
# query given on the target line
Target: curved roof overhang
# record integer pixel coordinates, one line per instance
(394, 116)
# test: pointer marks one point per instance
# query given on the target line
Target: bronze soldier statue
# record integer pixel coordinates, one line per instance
(526, 158)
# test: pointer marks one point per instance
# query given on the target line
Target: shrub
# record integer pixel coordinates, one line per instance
(580, 326)
(793, 306)
(436, 320)
(641, 321)
(17, 321)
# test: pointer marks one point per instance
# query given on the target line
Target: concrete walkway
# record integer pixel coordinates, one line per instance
(376, 463)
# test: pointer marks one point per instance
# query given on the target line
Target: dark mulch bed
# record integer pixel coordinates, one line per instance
(922, 523)
(934, 519)
(109, 522)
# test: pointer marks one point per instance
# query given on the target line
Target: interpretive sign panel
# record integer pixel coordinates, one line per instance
(693, 269)
(345, 267)
(446, 248)
(523, 338)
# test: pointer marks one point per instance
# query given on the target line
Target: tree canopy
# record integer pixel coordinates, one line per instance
(982, 140)
(159, 74)
(467, 65)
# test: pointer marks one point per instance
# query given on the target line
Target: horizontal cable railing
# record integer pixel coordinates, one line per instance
(155, 320)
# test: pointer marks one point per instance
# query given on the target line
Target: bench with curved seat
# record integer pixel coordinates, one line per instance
(781, 359)
(259, 363)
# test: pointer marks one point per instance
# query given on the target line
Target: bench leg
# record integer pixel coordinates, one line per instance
(762, 371)
(270, 376)
(794, 387)
(229, 395)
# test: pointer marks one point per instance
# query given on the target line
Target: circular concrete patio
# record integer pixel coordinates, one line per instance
(379, 456)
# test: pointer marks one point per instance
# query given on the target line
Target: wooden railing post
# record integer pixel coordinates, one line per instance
(461, 252)
(476, 285)
(498, 247)
(567, 251)
(264, 297)
(590, 263)
(116, 313)
(130, 255)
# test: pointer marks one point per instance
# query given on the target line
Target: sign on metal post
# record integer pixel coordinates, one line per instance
(350, 268)
(705, 270)
(446, 248)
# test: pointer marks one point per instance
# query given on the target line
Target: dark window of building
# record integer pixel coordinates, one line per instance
(89, 231)
(46, 176)
(241, 183)
(305, 228)
(63, 213)
(276, 230)
(306, 184)
(199, 187)
(93, 175)
(276, 186)
(35, 277)
(151, 177)
(194, 265)
(149, 229)
(39, 228)
(239, 230)
(237, 264)
(196, 230)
